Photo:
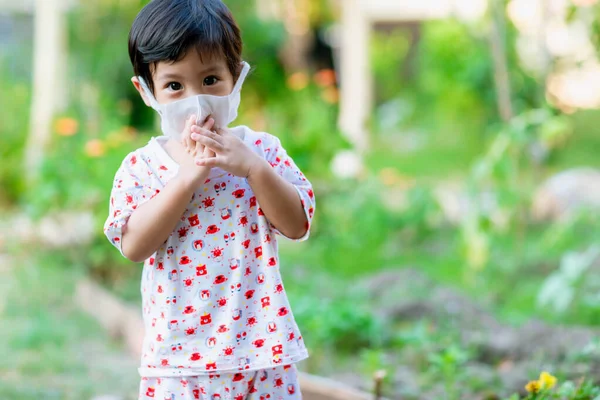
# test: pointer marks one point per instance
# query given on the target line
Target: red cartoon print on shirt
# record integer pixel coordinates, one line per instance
(189, 310)
(212, 229)
(229, 237)
(226, 214)
(239, 193)
(222, 302)
(194, 220)
(190, 331)
(236, 288)
(198, 245)
(184, 260)
(282, 312)
(243, 220)
(201, 270)
(278, 288)
(251, 320)
(188, 283)
(237, 314)
(241, 336)
(265, 302)
(278, 381)
(205, 319)
(208, 203)
(234, 264)
(228, 351)
(204, 294)
(271, 327)
(211, 366)
(217, 253)
(291, 389)
(211, 342)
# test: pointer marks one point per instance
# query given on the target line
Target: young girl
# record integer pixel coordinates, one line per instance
(202, 206)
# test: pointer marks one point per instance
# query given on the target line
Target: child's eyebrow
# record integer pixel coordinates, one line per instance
(211, 69)
(169, 76)
(175, 76)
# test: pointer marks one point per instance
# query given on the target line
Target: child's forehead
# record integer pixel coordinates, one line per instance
(193, 62)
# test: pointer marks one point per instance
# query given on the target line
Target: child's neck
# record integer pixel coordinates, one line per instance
(174, 149)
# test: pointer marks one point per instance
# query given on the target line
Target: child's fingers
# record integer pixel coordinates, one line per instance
(211, 162)
(199, 147)
(187, 133)
(208, 153)
(208, 124)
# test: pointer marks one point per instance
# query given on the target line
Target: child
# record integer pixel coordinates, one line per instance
(202, 206)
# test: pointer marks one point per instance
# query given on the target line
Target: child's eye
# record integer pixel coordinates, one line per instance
(175, 86)
(211, 80)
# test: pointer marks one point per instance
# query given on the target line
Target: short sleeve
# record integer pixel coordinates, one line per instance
(285, 167)
(131, 189)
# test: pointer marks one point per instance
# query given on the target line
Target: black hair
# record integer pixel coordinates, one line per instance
(165, 30)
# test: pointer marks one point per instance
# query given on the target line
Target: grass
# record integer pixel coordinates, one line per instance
(582, 149)
(448, 150)
(508, 285)
(430, 153)
(51, 350)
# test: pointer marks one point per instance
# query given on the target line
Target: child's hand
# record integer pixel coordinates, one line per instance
(231, 154)
(192, 173)
(192, 147)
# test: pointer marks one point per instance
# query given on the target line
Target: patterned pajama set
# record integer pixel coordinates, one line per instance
(218, 322)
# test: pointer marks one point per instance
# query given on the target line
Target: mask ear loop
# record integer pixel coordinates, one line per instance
(153, 103)
(242, 77)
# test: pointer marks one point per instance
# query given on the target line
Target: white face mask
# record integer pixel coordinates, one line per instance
(223, 109)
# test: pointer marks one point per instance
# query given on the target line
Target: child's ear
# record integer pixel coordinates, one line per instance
(138, 87)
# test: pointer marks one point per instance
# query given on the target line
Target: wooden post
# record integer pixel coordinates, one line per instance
(49, 71)
(355, 74)
(501, 76)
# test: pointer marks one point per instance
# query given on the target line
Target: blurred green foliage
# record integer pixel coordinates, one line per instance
(14, 109)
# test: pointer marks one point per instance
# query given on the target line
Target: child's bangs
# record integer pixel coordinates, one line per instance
(207, 37)
(208, 50)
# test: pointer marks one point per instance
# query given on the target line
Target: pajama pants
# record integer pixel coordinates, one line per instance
(279, 383)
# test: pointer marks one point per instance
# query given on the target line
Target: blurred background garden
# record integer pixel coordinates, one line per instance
(454, 149)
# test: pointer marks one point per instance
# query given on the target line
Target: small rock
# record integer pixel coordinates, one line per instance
(566, 193)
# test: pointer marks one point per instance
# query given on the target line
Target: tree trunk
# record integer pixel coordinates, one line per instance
(49, 70)
(355, 70)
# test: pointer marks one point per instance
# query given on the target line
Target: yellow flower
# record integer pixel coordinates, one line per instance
(95, 148)
(297, 81)
(533, 387)
(547, 381)
(330, 95)
(66, 126)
